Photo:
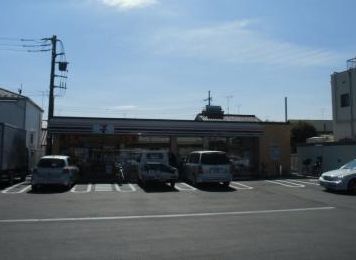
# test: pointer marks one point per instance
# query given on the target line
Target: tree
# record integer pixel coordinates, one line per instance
(300, 132)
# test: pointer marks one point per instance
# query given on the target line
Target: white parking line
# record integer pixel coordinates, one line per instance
(240, 186)
(27, 188)
(12, 187)
(103, 187)
(313, 180)
(81, 191)
(306, 182)
(287, 184)
(132, 188)
(208, 214)
(187, 186)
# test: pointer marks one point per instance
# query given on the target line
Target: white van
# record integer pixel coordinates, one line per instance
(208, 166)
(154, 167)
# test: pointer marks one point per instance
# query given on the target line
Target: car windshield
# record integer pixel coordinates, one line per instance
(51, 163)
(158, 167)
(214, 158)
(154, 156)
(350, 165)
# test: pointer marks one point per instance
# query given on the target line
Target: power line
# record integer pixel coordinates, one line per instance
(19, 39)
(15, 45)
(14, 50)
(9, 39)
(36, 45)
(44, 50)
(11, 45)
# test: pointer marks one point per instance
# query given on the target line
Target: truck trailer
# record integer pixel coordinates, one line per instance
(13, 153)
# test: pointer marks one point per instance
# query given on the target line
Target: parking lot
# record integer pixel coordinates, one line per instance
(289, 218)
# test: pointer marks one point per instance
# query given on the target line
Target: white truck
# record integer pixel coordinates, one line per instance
(13, 153)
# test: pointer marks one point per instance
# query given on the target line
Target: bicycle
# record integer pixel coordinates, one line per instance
(119, 172)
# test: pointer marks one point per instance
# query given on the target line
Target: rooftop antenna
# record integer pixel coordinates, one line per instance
(209, 99)
(228, 103)
(351, 63)
(20, 89)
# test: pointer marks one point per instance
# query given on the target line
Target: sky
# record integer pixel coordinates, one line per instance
(159, 58)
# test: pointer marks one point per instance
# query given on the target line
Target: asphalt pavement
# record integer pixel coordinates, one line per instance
(262, 219)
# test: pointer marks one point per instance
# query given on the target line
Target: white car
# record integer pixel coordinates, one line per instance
(208, 166)
(343, 179)
(158, 172)
(54, 170)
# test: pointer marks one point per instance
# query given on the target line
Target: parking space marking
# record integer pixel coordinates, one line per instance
(103, 187)
(305, 182)
(8, 190)
(185, 188)
(186, 215)
(287, 184)
(313, 180)
(27, 188)
(88, 189)
(119, 189)
(240, 186)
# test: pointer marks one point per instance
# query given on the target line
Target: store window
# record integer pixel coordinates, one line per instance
(345, 100)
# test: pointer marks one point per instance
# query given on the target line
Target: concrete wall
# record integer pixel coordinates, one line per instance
(24, 114)
(33, 121)
(13, 112)
(333, 155)
(344, 83)
(274, 149)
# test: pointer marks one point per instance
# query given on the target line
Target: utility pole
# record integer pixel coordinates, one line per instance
(286, 109)
(228, 103)
(51, 92)
(62, 67)
(51, 81)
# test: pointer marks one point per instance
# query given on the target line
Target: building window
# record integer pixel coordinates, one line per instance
(345, 100)
(31, 138)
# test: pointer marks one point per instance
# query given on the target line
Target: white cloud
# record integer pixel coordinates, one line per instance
(237, 42)
(128, 4)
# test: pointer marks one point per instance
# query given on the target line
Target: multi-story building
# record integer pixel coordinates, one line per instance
(21, 112)
(343, 89)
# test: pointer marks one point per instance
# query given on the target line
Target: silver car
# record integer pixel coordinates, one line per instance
(158, 172)
(343, 179)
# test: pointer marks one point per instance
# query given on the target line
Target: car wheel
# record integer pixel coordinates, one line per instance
(23, 178)
(34, 188)
(194, 180)
(11, 178)
(143, 182)
(173, 183)
(226, 184)
(352, 186)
